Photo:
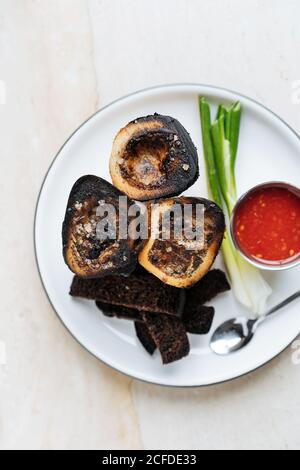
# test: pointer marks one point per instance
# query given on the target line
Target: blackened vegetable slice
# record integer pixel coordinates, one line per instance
(87, 253)
(178, 260)
(153, 157)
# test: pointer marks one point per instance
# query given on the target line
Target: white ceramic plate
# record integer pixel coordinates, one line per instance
(269, 150)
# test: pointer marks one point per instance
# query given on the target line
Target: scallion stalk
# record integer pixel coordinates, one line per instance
(220, 145)
(215, 194)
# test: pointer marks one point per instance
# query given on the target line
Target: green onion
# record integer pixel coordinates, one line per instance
(211, 171)
(220, 145)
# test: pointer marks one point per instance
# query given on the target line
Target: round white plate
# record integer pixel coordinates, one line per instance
(269, 150)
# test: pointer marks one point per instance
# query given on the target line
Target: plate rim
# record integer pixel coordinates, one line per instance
(124, 97)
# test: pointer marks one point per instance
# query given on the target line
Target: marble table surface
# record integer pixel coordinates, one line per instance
(61, 60)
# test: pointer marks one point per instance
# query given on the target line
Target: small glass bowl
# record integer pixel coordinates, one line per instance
(263, 264)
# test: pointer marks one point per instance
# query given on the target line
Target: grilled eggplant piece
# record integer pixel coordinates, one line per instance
(84, 253)
(153, 157)
(182, 262)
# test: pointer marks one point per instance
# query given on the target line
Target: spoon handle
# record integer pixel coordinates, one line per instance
(278, 307)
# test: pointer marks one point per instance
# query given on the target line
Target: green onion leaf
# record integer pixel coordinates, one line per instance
(220, 146)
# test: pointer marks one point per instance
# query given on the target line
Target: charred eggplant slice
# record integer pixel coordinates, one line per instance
(153, 157)
(177, 260)
(85, 252)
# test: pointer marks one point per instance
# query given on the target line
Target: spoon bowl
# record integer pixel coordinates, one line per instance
(236, 333)
(232, 336)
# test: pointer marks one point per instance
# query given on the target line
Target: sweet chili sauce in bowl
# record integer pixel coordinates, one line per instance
(265, 226)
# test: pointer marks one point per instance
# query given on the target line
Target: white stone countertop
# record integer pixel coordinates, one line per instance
(60, 61)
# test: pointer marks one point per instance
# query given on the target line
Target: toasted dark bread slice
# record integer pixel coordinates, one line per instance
(143, 334)
(181, 262)
(86, 254)
(198, 319)
(169, 335)
(153, 157)
(212, 284)
(140, 291)
(116, 311)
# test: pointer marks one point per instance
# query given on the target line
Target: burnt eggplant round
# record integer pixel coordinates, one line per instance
(153, 157)
(179, 260)
(84, 252)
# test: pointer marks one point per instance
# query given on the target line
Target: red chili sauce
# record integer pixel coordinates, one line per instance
(267, 225)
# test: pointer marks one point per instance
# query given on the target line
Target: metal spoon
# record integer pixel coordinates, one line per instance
(238, 332)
